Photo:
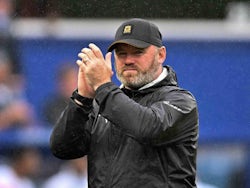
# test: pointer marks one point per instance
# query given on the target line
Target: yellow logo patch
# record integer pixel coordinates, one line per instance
(127, 29)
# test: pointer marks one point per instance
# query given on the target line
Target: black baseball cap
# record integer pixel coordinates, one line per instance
(137, 32)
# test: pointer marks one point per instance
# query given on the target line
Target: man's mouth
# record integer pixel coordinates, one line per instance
(132, 68)
(130, 71)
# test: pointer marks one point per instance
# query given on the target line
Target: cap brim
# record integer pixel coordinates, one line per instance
(132, 42)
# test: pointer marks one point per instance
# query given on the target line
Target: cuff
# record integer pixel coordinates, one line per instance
(85, 102)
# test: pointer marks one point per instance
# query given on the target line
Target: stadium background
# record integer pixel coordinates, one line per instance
(208, 48)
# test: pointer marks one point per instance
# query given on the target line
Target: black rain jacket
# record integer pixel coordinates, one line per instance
(133, 139)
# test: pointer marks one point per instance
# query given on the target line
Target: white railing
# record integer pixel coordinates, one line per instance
(105, 28)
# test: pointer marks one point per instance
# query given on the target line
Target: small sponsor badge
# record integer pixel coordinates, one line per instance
(127, 29)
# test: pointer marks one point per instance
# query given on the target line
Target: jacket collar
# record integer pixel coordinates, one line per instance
(157, 80)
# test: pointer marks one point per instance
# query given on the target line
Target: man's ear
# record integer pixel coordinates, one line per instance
(162, 54)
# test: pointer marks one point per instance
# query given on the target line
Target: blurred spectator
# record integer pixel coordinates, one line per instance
(72, 175)
(6, 9)
(7, 42)
(23, 165)
(15, 111)
(66, 82)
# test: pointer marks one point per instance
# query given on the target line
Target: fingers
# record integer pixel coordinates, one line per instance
(84, 57)
(96, 50)
(81, 65)
(79, 62)
(92, 52)
(88, 53)
(108, 59)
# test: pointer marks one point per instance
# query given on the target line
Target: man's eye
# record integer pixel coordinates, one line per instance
(139, 52)
(121, 54)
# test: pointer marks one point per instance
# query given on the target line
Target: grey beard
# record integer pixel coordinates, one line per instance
(138, 81)
(141, 79)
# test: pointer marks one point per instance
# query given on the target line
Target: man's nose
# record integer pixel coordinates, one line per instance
(130, 59)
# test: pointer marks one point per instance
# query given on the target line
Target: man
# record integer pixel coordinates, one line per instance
(142, 134)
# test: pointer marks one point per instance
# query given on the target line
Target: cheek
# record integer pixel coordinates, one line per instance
(118, 65)
(145, 63)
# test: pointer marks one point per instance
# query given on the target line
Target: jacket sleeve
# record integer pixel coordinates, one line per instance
(171, 117)
(70, 136)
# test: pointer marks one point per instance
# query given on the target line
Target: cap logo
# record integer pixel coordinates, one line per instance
(127, 29)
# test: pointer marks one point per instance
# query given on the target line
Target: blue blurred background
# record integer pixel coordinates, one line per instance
(216, 72)
(210, 56)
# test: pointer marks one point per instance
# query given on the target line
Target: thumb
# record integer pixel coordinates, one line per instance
(108, 60)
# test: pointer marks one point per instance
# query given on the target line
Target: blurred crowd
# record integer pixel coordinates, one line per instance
(27, 166)
(21, 165)
(14, 109)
